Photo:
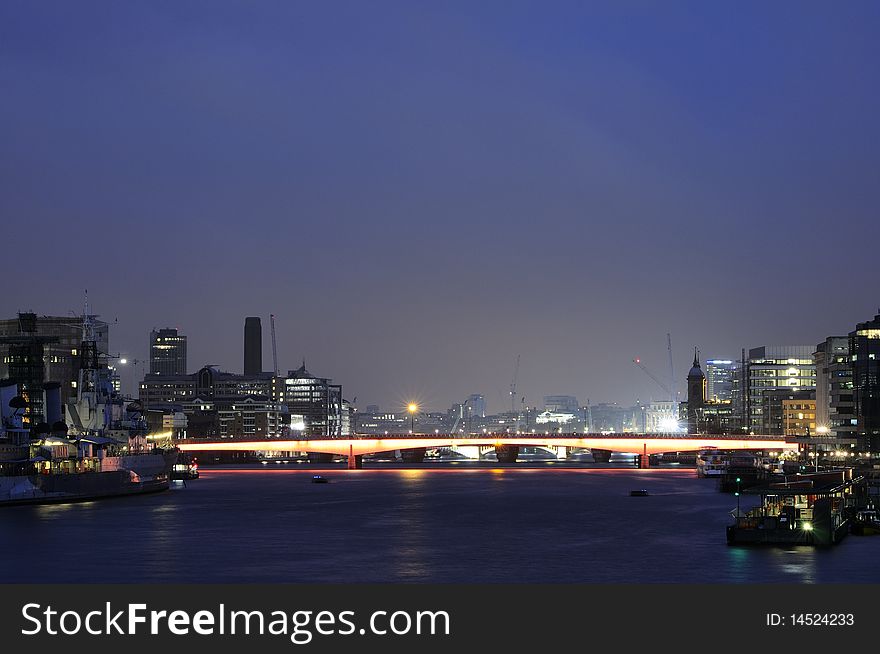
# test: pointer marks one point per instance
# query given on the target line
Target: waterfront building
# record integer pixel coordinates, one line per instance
(772, 368)
(379, 423)
(720, 374)
(314, 401)
(167, 352)
(209, 382)
(799, 415)
(783, 409)
(864, 347)
(38, 349)
(834, 388)
(253, 346)
(662, 417)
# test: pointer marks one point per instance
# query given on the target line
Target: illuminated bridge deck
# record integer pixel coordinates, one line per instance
(360, 445)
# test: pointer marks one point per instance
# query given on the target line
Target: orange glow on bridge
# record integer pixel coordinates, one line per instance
(636, 444)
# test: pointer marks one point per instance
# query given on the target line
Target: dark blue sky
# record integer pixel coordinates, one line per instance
(421, 191)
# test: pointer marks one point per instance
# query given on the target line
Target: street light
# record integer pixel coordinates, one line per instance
(738, 480)
(412, 408)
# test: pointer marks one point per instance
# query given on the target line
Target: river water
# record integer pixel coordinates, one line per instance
(451, 523)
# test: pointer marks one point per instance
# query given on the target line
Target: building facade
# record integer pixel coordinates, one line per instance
(157, 391)
(835, 413)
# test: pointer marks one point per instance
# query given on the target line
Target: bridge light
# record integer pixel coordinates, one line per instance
(412, 407)
(807, 526)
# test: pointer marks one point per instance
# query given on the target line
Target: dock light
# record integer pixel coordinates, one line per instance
(123, 361)
(738, 480)
(807, 526)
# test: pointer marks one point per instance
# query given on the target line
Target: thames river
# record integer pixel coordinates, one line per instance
(455, 523)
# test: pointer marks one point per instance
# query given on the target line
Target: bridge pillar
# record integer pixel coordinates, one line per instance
(413, 455)
(355, 461)
(506, 453)
(644, 459)
(562, 452)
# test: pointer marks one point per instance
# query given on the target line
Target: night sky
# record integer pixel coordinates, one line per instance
(422, 191)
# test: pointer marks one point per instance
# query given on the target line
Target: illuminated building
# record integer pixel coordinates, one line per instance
(661, 417)
(720, 374)
(773, 368)
(316, 401)
(167, 352)
(799, 415)
(864, 347)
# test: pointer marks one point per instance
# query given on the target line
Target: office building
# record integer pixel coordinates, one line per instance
(864, 348)
(720, 374)
(834, 388)
(776, 368)
(157, 391)
(167, 352)
(313, 401)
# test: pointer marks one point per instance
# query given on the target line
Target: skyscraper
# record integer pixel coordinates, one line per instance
(864, 348)
(167, 352)
(253, 346)
(719, 380)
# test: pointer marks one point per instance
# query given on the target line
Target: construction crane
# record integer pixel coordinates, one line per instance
(659, 383)
(673, 395)
(274, 347)
(513, 386)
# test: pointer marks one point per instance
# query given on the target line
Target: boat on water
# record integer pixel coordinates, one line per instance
(865, 523)
(96, 446)
(800, 509)
(711, 462)
(318, 479)
(641, 492)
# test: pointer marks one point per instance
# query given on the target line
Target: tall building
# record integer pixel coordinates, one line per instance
(864, 348)
(36, 349)
(720, 374)
(772, 368)
(477, 403)
(167, 352)
(253, 346)
(834, 388)
(696, 395)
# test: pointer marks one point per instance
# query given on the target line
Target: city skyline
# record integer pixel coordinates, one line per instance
(422, 199)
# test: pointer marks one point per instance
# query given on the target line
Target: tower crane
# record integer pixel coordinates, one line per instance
(659, 383)
(274, 347)
(513, 386)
